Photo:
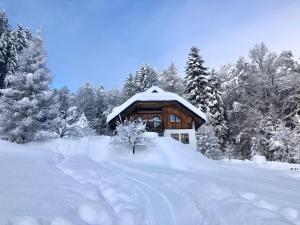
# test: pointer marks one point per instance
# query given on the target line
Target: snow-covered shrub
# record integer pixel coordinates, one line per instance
(70, 123)
(207, 142)
(131, 132)
(285, 145)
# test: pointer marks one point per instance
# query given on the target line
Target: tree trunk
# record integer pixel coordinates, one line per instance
(133, 149)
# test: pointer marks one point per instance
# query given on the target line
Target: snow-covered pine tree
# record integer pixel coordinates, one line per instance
(196, 80)
(113, 98)
(171, 81)
(86, 101)
(64, 99)
(216, 110)
(27, 103)
(5, 32)
(202, 90)
(18, 41)
(99, 123)
(145, 78)
(12, 42)
(129, 88)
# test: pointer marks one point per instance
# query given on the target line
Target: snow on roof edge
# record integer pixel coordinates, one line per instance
(154, 94)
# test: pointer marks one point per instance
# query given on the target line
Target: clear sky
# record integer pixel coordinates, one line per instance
(103, 41)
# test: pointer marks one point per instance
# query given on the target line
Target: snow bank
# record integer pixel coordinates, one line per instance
(261, 162)
(163, 152)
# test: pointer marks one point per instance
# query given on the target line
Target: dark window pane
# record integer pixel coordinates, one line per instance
(156, 121)
(175, 136)
(185, 138)
(172, 118)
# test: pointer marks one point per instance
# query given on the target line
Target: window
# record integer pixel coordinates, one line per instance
(175, 136)
(156, 121)
(174, 119)
(185, 138)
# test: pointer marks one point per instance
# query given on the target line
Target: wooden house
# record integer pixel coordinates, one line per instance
(166, 113)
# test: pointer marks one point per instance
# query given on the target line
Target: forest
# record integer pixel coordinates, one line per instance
(253, 104)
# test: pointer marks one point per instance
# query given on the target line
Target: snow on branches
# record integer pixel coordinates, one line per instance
(131, 132)
(70, 123)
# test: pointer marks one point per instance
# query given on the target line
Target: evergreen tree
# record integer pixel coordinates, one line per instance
(27, 103)
(145, 78)
(216, 111)
(129, 88)
(64, 99)
(18, 41)
(202, 90)
(196, 80)
(12, 42)
(113, 98)
(99, 123)
(171, 81)
(86, 101)
(5, 32)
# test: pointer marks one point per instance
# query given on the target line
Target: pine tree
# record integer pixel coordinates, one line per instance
(99, 123)
(64, 99)
(86, 101)
(113, 98)
(202, 91)
(171, 81)
(27, 103)
(5, 32)
(145, 78)
(12, 43)
(216, 111)
(17, 42)
(129, 88)
(196, 80)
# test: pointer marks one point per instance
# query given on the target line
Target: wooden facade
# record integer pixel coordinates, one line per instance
(160, 115)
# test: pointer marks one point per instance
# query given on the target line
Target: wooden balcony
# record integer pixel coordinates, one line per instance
(155, 126)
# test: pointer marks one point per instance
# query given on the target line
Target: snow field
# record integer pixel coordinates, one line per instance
(90, 181)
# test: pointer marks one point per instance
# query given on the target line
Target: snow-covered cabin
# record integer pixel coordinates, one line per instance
(166, 113)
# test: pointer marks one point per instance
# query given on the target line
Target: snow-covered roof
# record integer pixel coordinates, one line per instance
(154, 94)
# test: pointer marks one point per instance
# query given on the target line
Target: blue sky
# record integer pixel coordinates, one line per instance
(103, 41)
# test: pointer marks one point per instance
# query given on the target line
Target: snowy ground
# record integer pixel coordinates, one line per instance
(89, 181)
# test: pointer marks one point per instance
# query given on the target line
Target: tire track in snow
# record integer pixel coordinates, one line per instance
(160, 194)
(110, 185)
(166, 183)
